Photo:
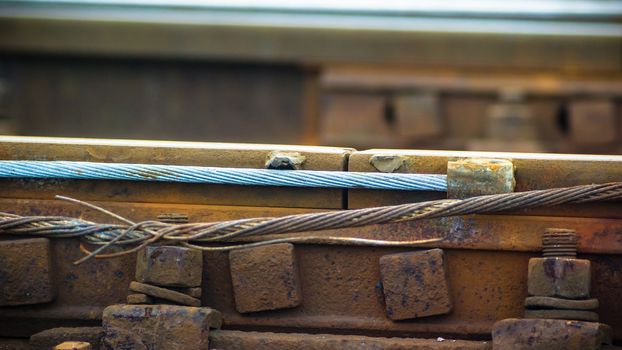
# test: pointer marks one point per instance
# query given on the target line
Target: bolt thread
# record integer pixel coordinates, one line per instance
(559, 242)
(173, 218)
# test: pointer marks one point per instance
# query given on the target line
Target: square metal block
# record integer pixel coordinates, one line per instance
(170, 266)
(265, 278)
(25, 272)
(158, 327)
(415, 284)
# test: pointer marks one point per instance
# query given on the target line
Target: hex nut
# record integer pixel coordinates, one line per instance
(158, 327)
(559, 277)
(415, 284)
(26, 272)
(169, 266)
(265, 278)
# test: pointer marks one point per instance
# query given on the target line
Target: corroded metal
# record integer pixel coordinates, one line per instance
(265, 278)
(168, 295)
(47, 339)
(486, 256)
(534, 171)
(158, 327)
(139, 298)
(415, 284)
(559, 277)
(479, 176)
(226, 339)
(559, 242)
(559, 283)
(543, 334)
(169, 266)
(173, 153)
(26, 272)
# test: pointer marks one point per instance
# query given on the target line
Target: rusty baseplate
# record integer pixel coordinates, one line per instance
(329, 289)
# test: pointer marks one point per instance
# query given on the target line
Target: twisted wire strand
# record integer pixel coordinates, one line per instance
(214, 175)
(228, 234)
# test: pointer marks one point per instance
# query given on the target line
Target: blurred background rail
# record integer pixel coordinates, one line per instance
(472, 75)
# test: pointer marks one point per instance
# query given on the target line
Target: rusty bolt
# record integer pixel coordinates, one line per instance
(559, 242)
(559, 277)
(559, 273)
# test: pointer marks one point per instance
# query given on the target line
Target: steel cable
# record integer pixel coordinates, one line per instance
(226, 176)
(232, 233)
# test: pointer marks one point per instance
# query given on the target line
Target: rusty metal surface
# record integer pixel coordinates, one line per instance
(415, 284)
(339, 285)
(486, 257)
(173, 153)
(84, 290)
(341, 292)
(47, 339)
(479, 176)
(221, 339)
(495, 232)
(579, 315)
(167, 295)
(559, 303)
(26, 274)
(265, 278)
(559, 277)
(533, 171)
(169, 266)
(158, 327)
(138, 298)
(542, 334)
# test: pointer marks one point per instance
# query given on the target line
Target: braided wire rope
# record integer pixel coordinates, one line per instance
(216, 175)
(234, 231)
